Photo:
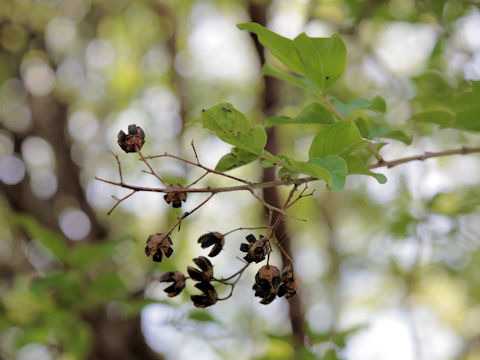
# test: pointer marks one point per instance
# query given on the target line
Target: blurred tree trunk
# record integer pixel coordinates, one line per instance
(118, 338)
(112, 338)
(49, 122)
(270, 101)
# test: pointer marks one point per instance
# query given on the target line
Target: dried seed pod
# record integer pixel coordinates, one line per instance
(289, 284)
(208, 298)
(178, 280)
(132, 129)
(256, 249)
(175, 195)
(133, 141)
(206, 269)
(267, 282)
(159, 244)
(212, 238)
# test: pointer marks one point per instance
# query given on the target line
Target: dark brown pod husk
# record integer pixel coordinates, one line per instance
(157, 245)
(256, 250)
(178, 280)
(212, 238)
(133, 141)
(267, 283)
(175, 195)
(289, 285)
(205, 273)
(208, 298)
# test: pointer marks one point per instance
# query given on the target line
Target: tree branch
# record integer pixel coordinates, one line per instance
(425, 156)
(250, 186)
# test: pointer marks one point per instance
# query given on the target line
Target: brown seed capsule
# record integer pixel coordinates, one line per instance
(256, 249)
(133, 141)
(212, 238)
(206, 272)
(209, 296)
(289, 284)
(178, 280)
(175, 195)
(267, 282)
(159, 244)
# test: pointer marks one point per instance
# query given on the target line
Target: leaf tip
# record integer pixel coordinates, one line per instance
(382, 179)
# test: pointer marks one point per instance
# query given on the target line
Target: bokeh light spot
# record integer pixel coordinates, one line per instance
(74, 223)
(39, 78)
(12, 170)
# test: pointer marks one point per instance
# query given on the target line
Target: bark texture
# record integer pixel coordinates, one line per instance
(270, 102)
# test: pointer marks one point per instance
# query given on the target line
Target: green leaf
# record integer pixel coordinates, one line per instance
(33, 334)
(340, 138)
(313, 114)
(357, 167)
(386, 132)
(236, 158)
(454, 203)
(224, 118)
(378, 104)
(66, 285)
(334, 56)
(336, 166)
(301, 82)
(305, 354)
(50, 239)
(106, 287)
(330, 355)
(74, 335)
(86, 256)
(346, 108)
(231, 126)
(379, 128)
(311, 59)
(295, 167)
(440, 117)
(402, 224)
(281, 47)
(467, 106)
(286, 172)
(463, 112)
(312, 170)
(202, 316)
(324, 59)
(398, 135)
(363, 127)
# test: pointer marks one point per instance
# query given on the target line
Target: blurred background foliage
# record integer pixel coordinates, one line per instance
(386, 271)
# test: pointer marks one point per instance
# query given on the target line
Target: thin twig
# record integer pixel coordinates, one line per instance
(200, 166)
(375, 152)
(151, 169)
(118, 201)
(232, 285)
(196, 181)
(284, 252)
(244, 228)
(119, 165)
(274, 208)
(301, 196)
(194, 151)
(333, 108)
(188, 213)
(425, 156)
(223, 280)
